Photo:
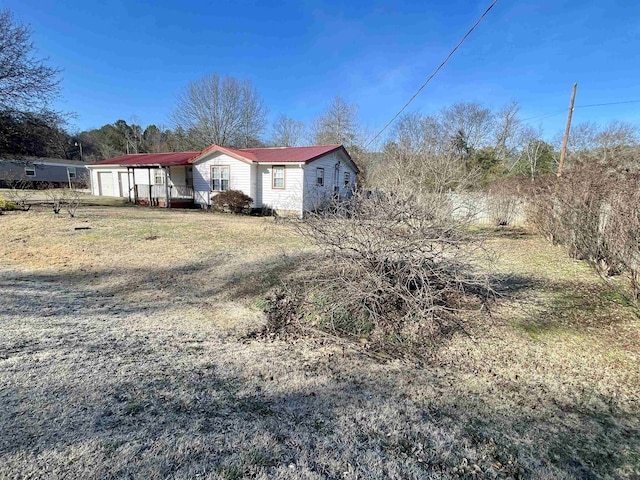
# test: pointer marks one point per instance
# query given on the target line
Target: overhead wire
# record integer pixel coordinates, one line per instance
(433, 74)
(545, 115)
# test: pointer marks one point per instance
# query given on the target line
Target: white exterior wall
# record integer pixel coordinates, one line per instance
(289, 199)
(314, 195)
(142, 175)
(178, 175)
(113, 171)
(239, 176)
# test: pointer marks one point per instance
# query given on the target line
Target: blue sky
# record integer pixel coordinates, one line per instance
(130, 59)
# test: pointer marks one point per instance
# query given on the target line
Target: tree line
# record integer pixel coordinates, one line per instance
(463, 145)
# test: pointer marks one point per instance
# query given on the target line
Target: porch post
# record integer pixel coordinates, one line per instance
(149, 171)
(131, 176)
(167, 200)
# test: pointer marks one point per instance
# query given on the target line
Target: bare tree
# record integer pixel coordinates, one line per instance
(224, 111)
(536, 154)
(582, 137)
(471, 122)
(420, 159)
(26, 83)
(507, 129)
(615, 136)
(287, 132)
(337, 125)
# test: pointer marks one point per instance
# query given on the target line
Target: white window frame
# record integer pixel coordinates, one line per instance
(220, 178)
(159, 172)
(320, 177)
(29, 169)
(347, 179)
(277, 168)
(71, 172)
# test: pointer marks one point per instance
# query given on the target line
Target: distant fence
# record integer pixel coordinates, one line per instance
(485, 209)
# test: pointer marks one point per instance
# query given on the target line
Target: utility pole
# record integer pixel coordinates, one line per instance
(563, 152)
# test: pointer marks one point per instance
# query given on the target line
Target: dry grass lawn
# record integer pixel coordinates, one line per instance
(123, 355)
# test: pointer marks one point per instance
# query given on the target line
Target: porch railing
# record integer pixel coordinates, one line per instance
(181, 192)
(155, 193)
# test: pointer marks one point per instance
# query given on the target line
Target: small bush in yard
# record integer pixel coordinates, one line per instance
(233, 201)
(6, 205)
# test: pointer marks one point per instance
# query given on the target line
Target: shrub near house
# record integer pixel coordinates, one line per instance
(233, 201)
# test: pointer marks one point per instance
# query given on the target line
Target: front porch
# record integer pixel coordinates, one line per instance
(168, 187)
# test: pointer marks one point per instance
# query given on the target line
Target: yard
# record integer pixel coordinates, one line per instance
(124, 354)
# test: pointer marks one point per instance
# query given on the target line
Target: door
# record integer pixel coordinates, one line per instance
(123, 184)
(105, 184)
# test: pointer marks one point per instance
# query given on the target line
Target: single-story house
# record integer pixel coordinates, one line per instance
(292, 179)
(40, 171)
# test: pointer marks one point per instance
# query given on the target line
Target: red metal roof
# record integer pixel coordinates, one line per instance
(164, 159)
(259, 155)
(289, 154)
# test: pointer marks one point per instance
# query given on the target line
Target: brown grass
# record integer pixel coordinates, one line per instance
(122, 357)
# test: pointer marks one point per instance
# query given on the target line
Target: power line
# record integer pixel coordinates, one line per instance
(434, 73)
(605, 104)
(545, 115)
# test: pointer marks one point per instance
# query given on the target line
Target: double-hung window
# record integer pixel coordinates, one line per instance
(71, 172)
(320, 177)
(347, 179)
(158, 177)
(219, 179)
(278, 178)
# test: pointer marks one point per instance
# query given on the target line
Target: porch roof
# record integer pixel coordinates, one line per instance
(150, 159)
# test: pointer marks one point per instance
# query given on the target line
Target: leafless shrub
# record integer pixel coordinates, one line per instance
(391, 269)
(54, 197)
(67, 198)
(502, 209)
(19, 192)
(504, 202)
(72, 200)
(593, 210)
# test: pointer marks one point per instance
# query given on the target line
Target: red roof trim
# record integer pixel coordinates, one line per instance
(237, 154)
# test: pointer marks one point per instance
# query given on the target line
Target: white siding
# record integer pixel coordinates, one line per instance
(239, 176)
(142, 175)
(289, 199)
(106, 172)
(177, 176)
(335, 165)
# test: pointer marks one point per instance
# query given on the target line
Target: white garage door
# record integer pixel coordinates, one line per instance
(123, 184)
(105, 183)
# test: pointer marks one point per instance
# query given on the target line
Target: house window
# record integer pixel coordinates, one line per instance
(219, 179)
(71, 171)
(278, 178)
(30, 171)
(158, 177)
(320, 177)
(347, 179)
